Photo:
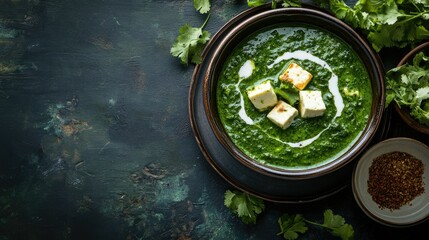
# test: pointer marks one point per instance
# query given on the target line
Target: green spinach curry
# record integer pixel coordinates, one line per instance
(337, 72)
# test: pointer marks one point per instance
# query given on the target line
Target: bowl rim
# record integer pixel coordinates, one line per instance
(323, 169)
(403, 112)
(357, 179)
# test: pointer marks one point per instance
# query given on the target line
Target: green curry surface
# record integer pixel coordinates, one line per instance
(307, 142)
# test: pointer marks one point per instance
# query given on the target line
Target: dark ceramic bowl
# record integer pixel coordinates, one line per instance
(404, 112)
(294, 15)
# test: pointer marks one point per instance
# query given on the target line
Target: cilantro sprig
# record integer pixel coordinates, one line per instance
(245, 206)
(248, 207)
(293, 225)
(190, 43)
(285, 3)
(408, 86)
(386, 23)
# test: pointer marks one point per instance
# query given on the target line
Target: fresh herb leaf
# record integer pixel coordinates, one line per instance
(291, 226)
(285, 3)
(399, 35)
(291, 3)
(322, 3)
(387, 23)
(255, 3)
(337, 225)
(386, 12)
(408, 86)
(202, 6)
(353, 17)
(422, 94)
(190, 43)
(245, 206)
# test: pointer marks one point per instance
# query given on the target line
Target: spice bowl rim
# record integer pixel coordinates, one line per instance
(409, 214)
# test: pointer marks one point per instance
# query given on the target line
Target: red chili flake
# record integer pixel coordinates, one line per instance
(395, 179)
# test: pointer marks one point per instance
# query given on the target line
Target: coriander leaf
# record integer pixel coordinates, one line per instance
(340, 9)
(356, 19)
(387, 23)
(408, 86)
(332, 221)
(228, 198)
(385, 12)
(197, 53)
(337, 225)
(291, 3)
(421, 114)
(285, 3)
(399, 34)
(422, 94)
(255, 3)
(420, 58)
(203, 6)
(189, 43)
(390, 96)
(371, 5)
(245, 206)
(274, 4)
(322, 3)
(345, 232)
(291, 226)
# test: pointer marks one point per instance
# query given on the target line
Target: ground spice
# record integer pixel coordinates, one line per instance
(395, 179)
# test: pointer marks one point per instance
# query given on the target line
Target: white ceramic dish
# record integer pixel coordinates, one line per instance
(408, 215)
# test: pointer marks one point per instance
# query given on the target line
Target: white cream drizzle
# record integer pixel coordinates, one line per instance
(247, 69)
(242, 112)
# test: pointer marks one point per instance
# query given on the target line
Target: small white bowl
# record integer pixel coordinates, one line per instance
(410, 214)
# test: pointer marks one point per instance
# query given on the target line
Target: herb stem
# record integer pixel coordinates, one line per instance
(205, 22)
(314, 223)
(417, 7)
(319, 224)
(413, 17)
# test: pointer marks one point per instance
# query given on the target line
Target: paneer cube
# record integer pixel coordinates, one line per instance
(263, 96)
(296, 75)
(282, 114)
(311, 104)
